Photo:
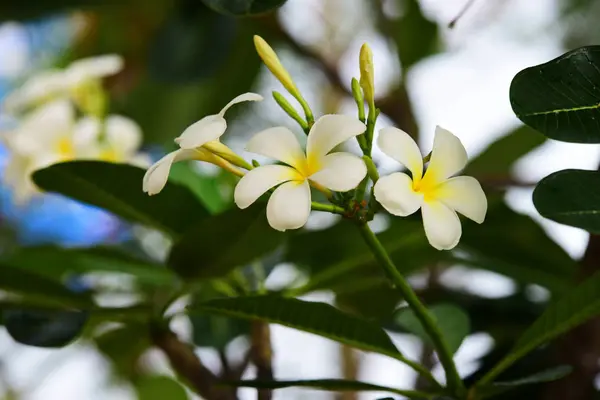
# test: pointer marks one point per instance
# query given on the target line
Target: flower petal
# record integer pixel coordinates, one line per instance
(208, 128)
(398, 145)
(340, 172)
(448, 157)
(94, 68)
(257, 181)
(123, 134)
(37, 88)
(280, 144)
(157, 175)
(330, 131)
(289, 206)
(442, 226)
(239, 99)
(395, 193)
(464, 195)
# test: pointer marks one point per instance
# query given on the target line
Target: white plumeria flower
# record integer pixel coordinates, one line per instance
(437, 194)
(119, 139)
(51, 84)
(199, 141)
(46, 136)
(289, 205)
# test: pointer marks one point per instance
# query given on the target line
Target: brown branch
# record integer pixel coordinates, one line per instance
(261, 354)
(188, 366)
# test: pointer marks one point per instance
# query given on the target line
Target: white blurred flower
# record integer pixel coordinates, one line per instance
(77, 80)
(289, 205)
(199, 141)
(437, 194)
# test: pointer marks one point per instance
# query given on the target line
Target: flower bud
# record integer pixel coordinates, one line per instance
(272, 62)
(366, 74)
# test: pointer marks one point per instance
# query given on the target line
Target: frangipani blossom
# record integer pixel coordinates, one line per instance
(439, 195)
(289, 205)
(199, 141)
(72, 81)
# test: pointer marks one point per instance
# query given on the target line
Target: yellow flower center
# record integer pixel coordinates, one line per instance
(109, 154)
(427, 186)
(65, 148)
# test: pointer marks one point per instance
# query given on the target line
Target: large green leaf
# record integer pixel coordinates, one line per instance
(223, 242)
(118, 189)
(318, 318)
(44, 328)
(548, 375)
(452, 321)
(57, 262)
(563, 314)
(516, 254)
(40, 288)
(211, 190)
(561, 98)
(496, 160)
(571, 197)
(160, 387)
(243, 7)
(336, 385)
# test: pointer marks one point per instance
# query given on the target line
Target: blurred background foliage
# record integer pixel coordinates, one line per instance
(185, 59)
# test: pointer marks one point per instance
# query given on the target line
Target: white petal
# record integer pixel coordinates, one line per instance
(94, 68)
(464, 195)
(289, 206)
(42, 128)
(208, 128)
(239, 99)
(448, 156)
(340, 172)
(395, 193)
(280, 144)
(257, 181)
(398, 145)
(37, 88)
(330, 131)
(123, 133)
(442, 226)
(157, 175)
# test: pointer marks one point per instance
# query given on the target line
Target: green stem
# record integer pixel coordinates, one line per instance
(327, 208)
(421, 370)
(371, 169)
(310, 119)
(452, 378)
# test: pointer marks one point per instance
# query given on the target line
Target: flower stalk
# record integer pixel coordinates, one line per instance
(425, 318)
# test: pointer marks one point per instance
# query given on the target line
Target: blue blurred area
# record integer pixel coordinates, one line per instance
(50, 218)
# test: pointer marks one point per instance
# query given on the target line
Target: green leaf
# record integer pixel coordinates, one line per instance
(243, 7)
(452, 321)
(216, 331)
(123, 346)
(571, 197)
(336, 385)
(219, 244)
(159, 388)
(516, 255)
(548, 375)
(318, 318)
(56, 262)
(209, 189)
(44, 328)
(43, 289)
(118, 189)
(562, 315)
(561, 98)
(496, 160)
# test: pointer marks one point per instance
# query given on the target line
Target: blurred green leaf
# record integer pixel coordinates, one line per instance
(192, 44)
(497, 159)
(336, 385)
(561, 315)
(41, 288)
(220, 243)
(318, 318)
(159, 388)
(571, 197)
(243, 7)
(561, 98)
(123, 346)
(453, 322)
(517, 255)
(57, 262)
(118, 189)
(548, 375)
(209, 189)
(216, 331)
(376, 302)
(44, 328)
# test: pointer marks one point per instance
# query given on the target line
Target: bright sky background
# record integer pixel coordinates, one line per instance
(465, 90)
